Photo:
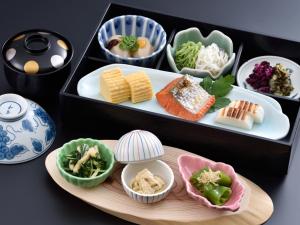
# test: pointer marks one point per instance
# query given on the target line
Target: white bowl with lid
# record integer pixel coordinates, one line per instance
(141, 149)
(26, 130)
(138, 146)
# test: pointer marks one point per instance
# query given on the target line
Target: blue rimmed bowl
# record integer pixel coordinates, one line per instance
(133, 25)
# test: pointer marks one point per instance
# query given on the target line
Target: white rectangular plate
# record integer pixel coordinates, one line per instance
(275, 125)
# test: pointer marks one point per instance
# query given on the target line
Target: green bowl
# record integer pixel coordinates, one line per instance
(86, 182)
(195, 35)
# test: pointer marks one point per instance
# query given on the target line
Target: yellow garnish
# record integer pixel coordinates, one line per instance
(91, 153)
(209, 177)
(141, 42)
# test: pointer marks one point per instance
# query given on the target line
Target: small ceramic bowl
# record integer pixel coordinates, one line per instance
(107, 154)
(158, 168)
(26, 130)
(138, 146)
(195, 35)
(294, 69)
(133, 25)
(189, 164)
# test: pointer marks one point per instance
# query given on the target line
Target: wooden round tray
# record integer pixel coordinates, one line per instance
(177, 209)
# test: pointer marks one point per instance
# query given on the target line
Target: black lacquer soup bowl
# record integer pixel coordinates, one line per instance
(37, 62)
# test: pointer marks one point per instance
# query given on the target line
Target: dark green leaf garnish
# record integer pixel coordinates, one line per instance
(229, 79)
(129, 43)
(219, 88)
(221, 102)
(207, 83)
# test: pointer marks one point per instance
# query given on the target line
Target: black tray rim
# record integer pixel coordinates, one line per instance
(64, 93)
(153, 114)
(112, 4)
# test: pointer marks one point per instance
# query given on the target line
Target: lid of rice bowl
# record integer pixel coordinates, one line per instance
(36, 51)
(138, 146)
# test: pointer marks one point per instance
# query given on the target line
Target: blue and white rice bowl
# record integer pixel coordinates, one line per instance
(158, 168)
(139, 26)
(26, 130)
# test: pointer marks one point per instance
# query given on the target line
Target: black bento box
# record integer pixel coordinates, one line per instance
(241, 150)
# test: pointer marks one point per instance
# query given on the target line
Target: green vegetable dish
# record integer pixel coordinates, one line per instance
(84, 162)
(213, 185)
(186, 55)
(195, 55)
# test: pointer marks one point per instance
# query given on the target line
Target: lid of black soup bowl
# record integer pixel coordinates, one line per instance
(37, 51)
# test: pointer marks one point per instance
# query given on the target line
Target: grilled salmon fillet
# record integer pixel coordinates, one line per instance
(185, 98)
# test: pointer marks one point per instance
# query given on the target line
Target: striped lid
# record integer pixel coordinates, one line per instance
(137, 146)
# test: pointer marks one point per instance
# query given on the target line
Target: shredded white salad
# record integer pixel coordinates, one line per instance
(211, 58)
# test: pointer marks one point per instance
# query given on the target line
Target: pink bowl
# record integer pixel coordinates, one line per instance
(189, 164)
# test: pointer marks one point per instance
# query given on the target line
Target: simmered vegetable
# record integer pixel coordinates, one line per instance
(85, 162)
(213, 185)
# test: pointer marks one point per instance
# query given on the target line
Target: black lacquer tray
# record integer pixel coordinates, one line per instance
(240, 150)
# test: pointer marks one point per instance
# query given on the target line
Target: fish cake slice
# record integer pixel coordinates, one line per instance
(235, 117)
(255, 110)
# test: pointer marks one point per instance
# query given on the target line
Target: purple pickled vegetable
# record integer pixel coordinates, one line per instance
(265, 89)
(260, 77)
